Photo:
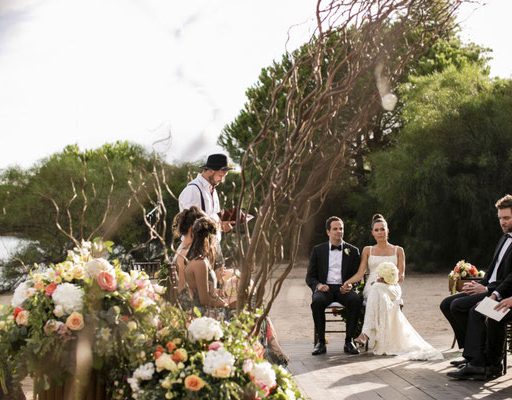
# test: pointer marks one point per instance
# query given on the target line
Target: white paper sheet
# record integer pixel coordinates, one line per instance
(486, 307)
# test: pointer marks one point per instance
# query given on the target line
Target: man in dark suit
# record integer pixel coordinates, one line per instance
(497, 283)
(331, 264)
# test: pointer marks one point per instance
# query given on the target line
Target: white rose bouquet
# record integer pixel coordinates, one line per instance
(388, 272)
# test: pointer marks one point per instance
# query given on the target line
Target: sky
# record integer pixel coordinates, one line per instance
(89, 72)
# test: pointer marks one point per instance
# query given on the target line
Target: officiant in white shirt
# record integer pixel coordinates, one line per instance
(202, 193)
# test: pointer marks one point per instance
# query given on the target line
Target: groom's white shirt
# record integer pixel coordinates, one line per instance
(335, 266)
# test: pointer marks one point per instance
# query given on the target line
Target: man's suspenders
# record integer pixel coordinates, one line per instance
(203, 207)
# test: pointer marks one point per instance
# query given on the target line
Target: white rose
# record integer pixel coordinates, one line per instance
(264, 374)
(97, 265)
(68, 296)
(58, 311)
(205, 328)
(219, 363)
(21, 293)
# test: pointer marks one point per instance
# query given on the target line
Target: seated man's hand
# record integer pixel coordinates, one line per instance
(346, 288)
(504, 304)
(473, 287)
(321, 287)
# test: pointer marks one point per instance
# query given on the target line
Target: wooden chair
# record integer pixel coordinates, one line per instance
(332, 311)
(149, 267)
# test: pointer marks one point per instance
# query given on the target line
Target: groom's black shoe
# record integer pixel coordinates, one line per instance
(469, 372)
(350, 348)
(458, 363)
(319, 349)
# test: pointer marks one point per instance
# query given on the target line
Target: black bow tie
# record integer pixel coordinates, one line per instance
(333, 247)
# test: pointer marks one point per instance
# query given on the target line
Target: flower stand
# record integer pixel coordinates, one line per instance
(455, 285)
(95, 390)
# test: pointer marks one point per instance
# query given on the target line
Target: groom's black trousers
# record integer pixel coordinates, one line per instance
(352, 302)
(456, 309)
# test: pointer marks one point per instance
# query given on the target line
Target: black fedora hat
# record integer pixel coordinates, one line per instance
(217, 162)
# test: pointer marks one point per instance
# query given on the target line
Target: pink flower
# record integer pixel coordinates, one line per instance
(215, 345)
(107, 281)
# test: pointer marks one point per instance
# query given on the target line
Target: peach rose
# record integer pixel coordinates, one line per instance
(180, 355)
(170, 346)
(194, 383)
(22, 318)
(75, 321)
(106, 281)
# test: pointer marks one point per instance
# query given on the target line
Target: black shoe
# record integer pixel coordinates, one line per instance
(350, 348)
(458, 363)
(319, 349)
(469, 372)
(494, 371)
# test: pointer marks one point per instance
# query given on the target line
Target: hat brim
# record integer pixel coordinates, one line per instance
(217, 168)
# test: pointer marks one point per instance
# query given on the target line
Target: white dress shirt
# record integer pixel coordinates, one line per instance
(335, 266)
(503, 250)
(190, 197)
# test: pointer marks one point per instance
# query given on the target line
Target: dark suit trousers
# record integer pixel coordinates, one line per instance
(456, 310)
(496, 336)
(352, 302)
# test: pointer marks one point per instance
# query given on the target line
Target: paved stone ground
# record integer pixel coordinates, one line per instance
(337, 375)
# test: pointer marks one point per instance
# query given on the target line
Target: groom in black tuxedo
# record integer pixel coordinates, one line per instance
(331, 264)
(497, 284)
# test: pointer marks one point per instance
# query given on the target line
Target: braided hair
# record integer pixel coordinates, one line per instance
(185, 219)
(204, 236)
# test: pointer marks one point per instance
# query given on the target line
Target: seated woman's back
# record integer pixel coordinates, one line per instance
(202, 281)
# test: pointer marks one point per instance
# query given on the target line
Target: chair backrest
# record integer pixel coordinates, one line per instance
(149, 267)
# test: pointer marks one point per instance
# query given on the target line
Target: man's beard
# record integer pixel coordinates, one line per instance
(212, 182)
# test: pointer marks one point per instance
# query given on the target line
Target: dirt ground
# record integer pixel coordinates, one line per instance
(422, 294)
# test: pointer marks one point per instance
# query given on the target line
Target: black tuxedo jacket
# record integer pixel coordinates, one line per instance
(503, 283)
(319, 263)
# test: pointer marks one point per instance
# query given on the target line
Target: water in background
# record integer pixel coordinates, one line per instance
(8, 246)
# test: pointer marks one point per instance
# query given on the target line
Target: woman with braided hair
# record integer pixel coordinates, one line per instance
(199, 274)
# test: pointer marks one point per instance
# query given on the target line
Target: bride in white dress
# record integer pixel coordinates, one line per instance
(386, 330)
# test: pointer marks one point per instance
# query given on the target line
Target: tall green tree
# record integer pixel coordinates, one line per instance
(350, 196)
(452, 161)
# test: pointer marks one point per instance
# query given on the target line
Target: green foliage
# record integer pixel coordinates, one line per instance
(451, 163)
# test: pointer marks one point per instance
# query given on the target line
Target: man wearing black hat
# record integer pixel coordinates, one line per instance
(201, 191)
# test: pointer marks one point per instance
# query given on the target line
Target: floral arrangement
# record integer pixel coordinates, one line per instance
(389, 272)
(58, 303)
(464, 270)
(205, 359)
(142, 347)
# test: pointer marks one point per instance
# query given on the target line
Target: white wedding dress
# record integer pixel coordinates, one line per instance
(385, 325)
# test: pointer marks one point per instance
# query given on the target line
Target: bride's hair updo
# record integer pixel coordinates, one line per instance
(378, 218)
